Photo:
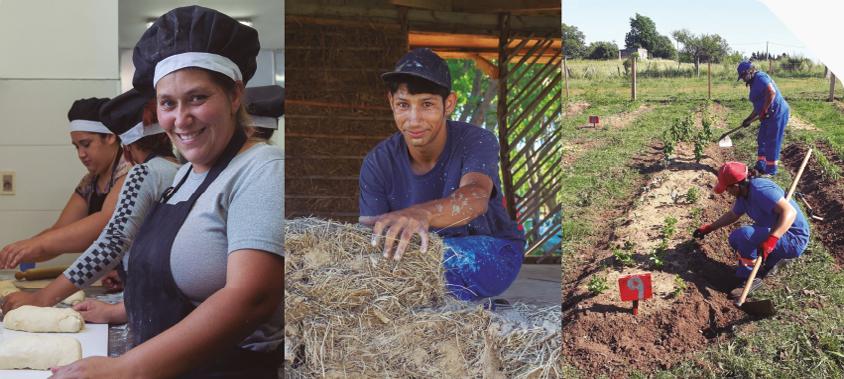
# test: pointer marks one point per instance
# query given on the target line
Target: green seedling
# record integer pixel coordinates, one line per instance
(656, 258)
(625, 258)
(597, 285)
(669, 227)
(692, 195)
(679, 286)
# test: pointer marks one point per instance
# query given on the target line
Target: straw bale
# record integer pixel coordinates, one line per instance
(351, 314)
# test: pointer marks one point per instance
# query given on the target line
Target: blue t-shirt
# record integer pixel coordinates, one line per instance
(759, 90)
(387, 182)
(762, 197)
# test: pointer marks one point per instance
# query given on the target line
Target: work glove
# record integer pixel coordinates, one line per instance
(702, 231)
(768, 246)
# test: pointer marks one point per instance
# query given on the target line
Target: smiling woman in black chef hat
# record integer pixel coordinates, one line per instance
(210, 252)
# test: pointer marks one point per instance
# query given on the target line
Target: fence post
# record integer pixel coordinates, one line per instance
(633, 76)
(709, 79)
(831, 86)
(566, 75)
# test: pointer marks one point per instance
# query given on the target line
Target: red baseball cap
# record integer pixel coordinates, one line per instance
(730, 173)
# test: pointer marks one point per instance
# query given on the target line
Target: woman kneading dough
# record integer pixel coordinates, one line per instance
(132, 117)
(209, 254)
(92, 203)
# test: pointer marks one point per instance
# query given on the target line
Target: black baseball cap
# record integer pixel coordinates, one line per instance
(422, 63)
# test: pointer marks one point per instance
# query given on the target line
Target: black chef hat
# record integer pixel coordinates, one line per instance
(265, 104)
(84, 116)
(124, 115)
(194, 36)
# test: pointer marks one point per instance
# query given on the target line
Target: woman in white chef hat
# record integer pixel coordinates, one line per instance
(92, 203)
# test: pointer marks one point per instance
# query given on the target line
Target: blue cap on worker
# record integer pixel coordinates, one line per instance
(743, 66)
(422, 63)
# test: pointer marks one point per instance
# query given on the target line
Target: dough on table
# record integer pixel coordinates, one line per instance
(39, 352)
(29, 318)
(74, 299)
(7, 287)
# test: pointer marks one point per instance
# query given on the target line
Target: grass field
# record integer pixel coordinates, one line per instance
(601, 176)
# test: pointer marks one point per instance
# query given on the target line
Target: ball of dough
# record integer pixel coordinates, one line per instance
(74, 299)
(39, 352)
(7, 287)
(29, 318)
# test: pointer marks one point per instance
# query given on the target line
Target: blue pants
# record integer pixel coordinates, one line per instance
(480, 266)
(746, 240)
(769, 141)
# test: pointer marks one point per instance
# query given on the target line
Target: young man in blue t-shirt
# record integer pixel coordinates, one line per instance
(439, 175)
(771, 109)
(779, 232)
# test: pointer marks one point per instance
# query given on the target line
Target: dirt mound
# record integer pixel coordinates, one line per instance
(575, 108)
(623, 120)
(575, 148)
(690, 309)
(826, 197)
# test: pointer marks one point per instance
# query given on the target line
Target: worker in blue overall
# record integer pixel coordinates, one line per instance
(772, 111)
(441, 176)
(779, 232)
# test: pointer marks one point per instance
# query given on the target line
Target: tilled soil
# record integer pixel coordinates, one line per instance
(826, 197)
(601, 336)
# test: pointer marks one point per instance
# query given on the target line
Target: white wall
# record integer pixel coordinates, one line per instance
(51, 53)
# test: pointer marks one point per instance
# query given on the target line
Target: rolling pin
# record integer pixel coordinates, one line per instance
(40, 273)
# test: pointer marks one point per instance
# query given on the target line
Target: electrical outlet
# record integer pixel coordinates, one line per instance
(7, 182)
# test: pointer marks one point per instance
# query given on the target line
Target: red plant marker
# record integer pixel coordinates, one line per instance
(634, 288)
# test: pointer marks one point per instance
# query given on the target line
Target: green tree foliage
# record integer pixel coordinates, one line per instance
(701, 48)
(574, 44)
(602, 50)
(643, 34)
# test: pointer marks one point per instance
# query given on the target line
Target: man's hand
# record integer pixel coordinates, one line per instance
(768, 246)
(20, 298)
(28, 250)
(400, 226)
(702, 231)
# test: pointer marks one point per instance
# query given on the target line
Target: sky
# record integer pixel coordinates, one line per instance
(745, 24)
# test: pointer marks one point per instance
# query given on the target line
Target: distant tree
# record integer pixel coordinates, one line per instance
(602, 50)
(701, 48)
(643, 34)
(574, 44)
(663, 48)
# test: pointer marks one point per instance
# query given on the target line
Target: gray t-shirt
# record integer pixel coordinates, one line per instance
(242, 209)
(144, 185)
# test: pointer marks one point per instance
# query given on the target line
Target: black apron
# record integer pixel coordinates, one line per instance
(96, 200)
(154, 302)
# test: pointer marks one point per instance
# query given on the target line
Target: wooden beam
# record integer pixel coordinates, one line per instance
(378, 11)
(503, 135)
(486, 6)
(509, 6)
